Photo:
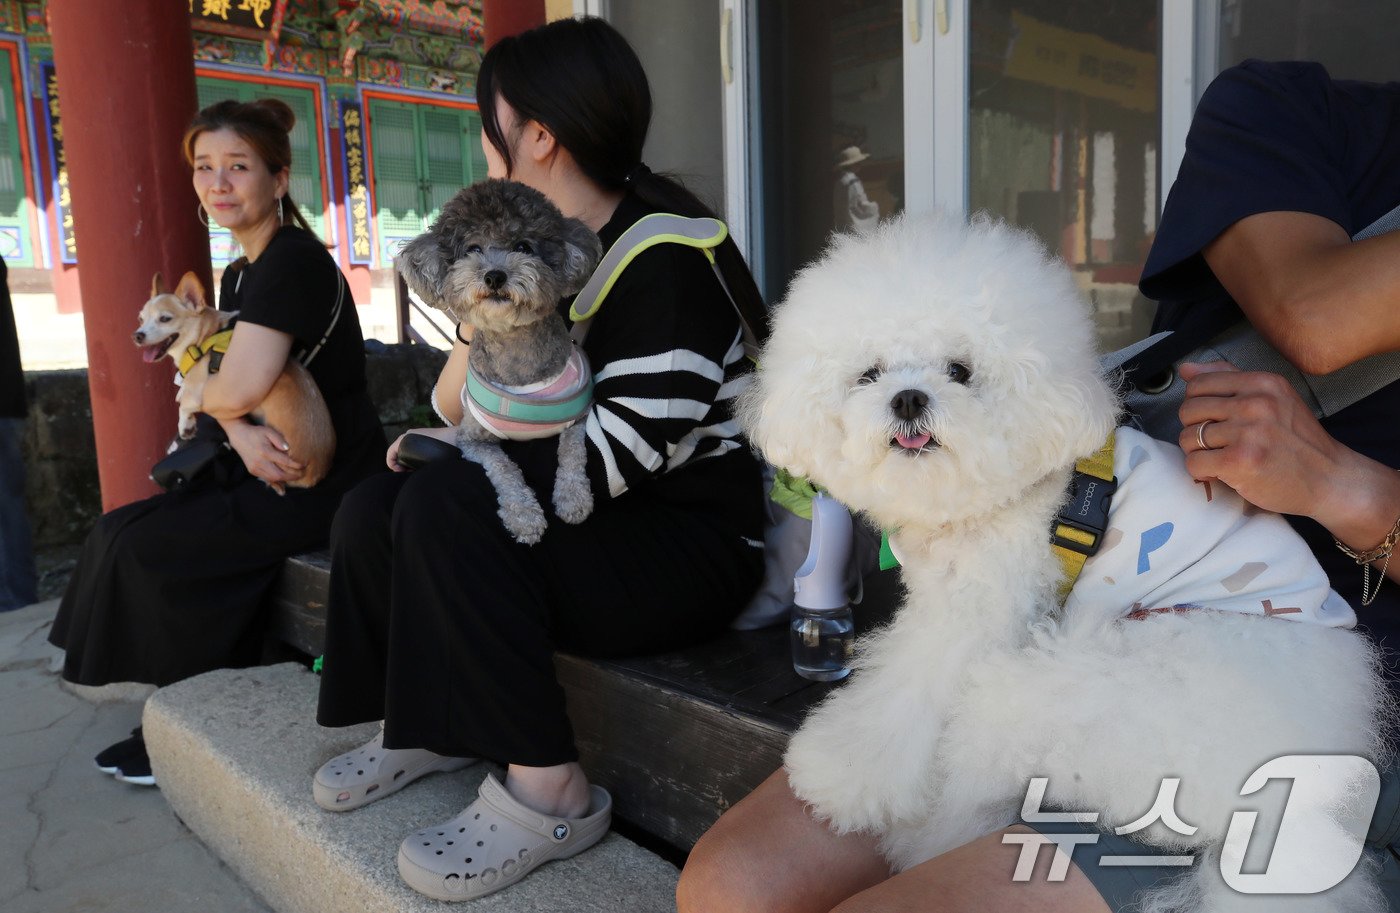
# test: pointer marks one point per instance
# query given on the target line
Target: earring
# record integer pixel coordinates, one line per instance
(202, 216)
(280, 220)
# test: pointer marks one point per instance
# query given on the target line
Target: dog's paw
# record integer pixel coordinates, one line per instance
(573, 500)
(278, 487)
(188, 426)
(526, 523)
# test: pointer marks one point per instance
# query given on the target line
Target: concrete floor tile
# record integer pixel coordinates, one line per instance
(71, 838)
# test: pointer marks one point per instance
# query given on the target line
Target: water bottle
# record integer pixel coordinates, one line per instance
(822, 631)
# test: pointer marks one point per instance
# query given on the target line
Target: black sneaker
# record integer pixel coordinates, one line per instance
(136, 768)
(110, 759)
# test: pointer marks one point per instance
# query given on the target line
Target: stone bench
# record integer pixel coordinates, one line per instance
(234, 751)
(676, 738)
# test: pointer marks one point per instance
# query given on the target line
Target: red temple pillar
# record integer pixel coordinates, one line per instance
(500, 18)
(127, 92)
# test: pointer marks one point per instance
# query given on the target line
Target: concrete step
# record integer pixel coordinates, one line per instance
(234, 752)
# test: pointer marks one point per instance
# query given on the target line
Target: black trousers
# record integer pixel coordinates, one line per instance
(445, 627)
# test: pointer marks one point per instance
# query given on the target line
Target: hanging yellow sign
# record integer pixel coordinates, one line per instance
(1080, 62)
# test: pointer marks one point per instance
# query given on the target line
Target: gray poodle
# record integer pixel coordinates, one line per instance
(500, 258)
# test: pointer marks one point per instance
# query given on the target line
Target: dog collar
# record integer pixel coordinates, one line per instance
(519, 415)
(217, 343)
(1078, 529)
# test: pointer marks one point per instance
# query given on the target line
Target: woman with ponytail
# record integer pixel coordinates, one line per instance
(443, 625)
(178, 584)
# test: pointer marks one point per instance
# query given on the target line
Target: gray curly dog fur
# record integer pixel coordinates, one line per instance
(500, 258)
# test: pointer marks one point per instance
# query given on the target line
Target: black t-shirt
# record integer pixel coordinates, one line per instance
(293, 287)
(11, 371)
(1285, 137)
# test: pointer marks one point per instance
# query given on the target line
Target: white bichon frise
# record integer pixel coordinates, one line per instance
(941, 378)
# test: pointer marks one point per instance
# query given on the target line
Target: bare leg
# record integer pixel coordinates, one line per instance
(976, 878)
(769, 854)
(561, 790)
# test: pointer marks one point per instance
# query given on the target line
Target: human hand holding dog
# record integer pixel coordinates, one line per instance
(263, 451)
(1264, 442)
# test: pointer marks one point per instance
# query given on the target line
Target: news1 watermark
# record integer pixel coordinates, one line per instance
(1320, 833)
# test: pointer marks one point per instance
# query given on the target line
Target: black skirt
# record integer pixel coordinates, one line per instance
(179, 584)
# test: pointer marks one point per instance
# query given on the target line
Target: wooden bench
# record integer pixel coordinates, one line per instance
(676, 738)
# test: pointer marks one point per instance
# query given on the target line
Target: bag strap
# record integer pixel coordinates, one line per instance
(1326, 394)
(335, 317)
(704, 234)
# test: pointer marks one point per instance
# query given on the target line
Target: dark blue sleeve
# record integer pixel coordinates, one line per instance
(1266, 137)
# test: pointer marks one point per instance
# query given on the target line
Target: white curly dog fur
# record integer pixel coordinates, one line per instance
(942, 379)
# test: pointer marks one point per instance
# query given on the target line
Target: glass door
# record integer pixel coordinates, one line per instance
(1354, 39)
(1063, 137)
(827, 103)
(1043, 112)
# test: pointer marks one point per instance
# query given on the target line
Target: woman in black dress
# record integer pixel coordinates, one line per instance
(177, 584)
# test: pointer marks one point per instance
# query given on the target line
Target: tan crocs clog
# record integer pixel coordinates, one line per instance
(494, 843)
(372, 772)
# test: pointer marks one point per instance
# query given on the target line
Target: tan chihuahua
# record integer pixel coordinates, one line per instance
(182, 325)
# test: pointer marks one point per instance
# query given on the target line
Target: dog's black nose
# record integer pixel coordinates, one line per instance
(494, 279)
(909, 404)
(139, 336)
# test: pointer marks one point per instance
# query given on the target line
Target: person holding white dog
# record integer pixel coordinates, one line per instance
(1283, 165)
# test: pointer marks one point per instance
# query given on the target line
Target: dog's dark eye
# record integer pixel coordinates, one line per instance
(166, 318)
(523, 247)
(870, 376)
(959, 373)
(473, 248)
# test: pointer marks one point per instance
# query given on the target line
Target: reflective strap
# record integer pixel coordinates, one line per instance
(704, 234)
(657, 228)
(216, 343)
(1100, 466)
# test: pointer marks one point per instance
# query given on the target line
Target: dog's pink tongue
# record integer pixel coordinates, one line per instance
(912, 441)
(150, 353)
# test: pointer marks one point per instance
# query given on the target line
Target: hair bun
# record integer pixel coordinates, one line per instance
(280, 111)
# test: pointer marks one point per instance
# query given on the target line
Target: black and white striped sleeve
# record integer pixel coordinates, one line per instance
(668, 361)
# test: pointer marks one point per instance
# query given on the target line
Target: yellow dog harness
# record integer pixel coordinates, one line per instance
(217, 343)
(1080, 526)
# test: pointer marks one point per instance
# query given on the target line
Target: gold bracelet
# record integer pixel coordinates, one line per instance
(1365, 559)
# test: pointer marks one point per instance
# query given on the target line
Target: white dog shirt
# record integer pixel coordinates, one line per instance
(1174, 543)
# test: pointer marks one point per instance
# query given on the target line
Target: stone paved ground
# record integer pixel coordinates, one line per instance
(73, 840)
